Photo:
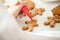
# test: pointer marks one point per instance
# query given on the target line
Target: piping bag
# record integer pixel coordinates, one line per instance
(25, 10)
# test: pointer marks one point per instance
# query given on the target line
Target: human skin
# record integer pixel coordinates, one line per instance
(16, 12)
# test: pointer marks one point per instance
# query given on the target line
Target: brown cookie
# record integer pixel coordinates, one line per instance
(30, 5)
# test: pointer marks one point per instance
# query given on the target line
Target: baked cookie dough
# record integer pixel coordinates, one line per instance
(37, 11)
(30, 5)
(30, 25)
(52, 20)
(56, 10)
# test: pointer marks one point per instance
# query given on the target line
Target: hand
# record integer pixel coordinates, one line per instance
(17, 12)
(21, 14)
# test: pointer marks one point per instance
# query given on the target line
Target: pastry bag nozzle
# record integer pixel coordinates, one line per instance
(26, 11)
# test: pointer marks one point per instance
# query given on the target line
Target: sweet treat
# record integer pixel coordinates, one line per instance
(47, 23)
(56, 16)
(49, 17)
(41, 9)
(56, 20)
(30, 29)
(33, 14)
(52, 24)
(31, 25)
(35, 25)
(24, 27)
(37, 11)
(40, 13)
(59, 20)
(30, 5)
(52, 20)
(56, 10)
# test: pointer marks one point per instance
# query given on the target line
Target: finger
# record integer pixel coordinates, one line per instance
(24, 14)
(16, 11)
(20, 16)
